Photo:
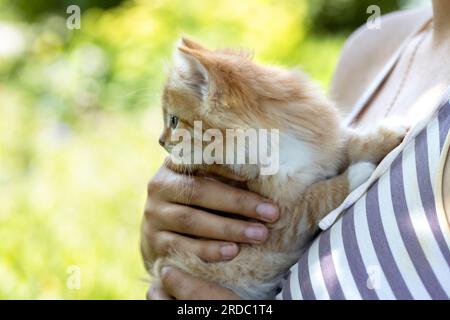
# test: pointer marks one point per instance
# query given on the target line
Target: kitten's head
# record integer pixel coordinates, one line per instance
(225, 89)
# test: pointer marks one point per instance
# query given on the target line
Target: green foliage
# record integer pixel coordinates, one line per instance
(79, 125)
(344, 15)
(35, 9)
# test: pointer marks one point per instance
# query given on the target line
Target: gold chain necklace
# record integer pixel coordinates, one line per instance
(408, 69)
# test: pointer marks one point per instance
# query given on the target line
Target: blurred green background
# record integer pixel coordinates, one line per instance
(79, 121)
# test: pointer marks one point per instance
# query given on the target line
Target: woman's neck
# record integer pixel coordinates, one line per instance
(441, 21)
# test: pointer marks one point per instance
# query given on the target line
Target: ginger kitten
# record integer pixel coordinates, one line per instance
(320, 161)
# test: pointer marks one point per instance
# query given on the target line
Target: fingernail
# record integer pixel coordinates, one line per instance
(256, 233)
(267, 211)
(229, 251)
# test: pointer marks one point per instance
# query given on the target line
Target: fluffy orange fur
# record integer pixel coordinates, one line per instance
(320, 160)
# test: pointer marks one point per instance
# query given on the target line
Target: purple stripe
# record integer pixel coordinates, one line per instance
(328, 270)
(304, 278)
(426, 193)
(286, 293)
(408, 234)
(381, 246)
(444, 123)
(354, 257)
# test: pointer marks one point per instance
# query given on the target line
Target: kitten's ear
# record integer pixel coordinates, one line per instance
(191, 65)
(191, 44)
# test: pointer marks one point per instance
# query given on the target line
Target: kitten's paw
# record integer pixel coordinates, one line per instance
(393, 130)
(358, 173)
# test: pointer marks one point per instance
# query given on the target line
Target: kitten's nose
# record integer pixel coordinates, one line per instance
(161, 141)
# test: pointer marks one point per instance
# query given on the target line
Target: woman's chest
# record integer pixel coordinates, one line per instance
(409, 105)
(415, 84)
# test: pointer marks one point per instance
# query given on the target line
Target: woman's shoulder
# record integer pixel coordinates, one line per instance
(367, 50)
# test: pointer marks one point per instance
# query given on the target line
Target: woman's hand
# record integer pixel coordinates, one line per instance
(170, 223)
(182, 286)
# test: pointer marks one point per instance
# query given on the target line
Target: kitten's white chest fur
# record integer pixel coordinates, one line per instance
(300, 165)
(295, 156)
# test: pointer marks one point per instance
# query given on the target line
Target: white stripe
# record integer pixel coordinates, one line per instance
(419, 220)
(394, 238)
(341, 265)
(369, 256)
(296, 292)
(294, 284)
(434, 151)
(437, 158)
(315, 272)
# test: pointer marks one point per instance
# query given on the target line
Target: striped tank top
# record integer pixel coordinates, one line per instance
(390, 239)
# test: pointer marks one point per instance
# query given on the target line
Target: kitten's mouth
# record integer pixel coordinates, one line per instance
(214, 170)
(168, 148)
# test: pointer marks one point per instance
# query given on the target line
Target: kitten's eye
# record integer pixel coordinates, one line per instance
(173, 121)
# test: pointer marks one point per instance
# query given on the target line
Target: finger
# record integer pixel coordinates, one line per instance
(157, 294)
(199, 223)
(183, 286)
(207, 250)
(215, 195)
(219, 196)
(212, 194)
